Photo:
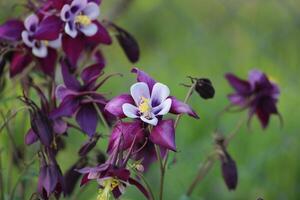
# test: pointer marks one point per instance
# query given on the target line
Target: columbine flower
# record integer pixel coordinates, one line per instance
(258, 94)
(80, 99)
(148, 105)
(34, 32)
(148, 101)
(79, 16)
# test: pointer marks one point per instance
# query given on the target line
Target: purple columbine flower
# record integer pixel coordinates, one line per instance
(148, 105)
(79, 17)
(80, 99)
(257, 93)
(33, 32)
(148, 101)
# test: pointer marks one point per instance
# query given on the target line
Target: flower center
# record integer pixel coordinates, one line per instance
(83, 20)
(108, 186)
(145, 107)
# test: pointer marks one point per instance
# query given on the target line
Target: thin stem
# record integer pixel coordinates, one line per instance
(203, 171)
(1, 178)
(7, 119)
(102, 117)
(233, 133)
(141, 176)
(162, 171)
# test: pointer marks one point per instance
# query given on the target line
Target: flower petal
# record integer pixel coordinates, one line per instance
(153, 121)
(26, 39)
(164, 134)
(73, 48)
(92, 10)
(144, 77)
(48, 29)
(31, 22)
(11, 30)
(71, 30)
(179, 107)
(70, 81)
(40, 51)
(80, 3)
(139, 90)
(114, 106)
(241, 86)
(163, 108)
(87, 119)
(102, 36)
(89, 30)
(65, 14)
(31, 137)
(91, 73)
(48, 63)
(59, 126)
(19, 62)
(67, 107)
(130, 110)
(160, 92)
(55, 44)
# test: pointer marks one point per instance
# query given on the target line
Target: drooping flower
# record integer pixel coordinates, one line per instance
(80, 99)
(39, 36)
(79, 17)
(258, 94)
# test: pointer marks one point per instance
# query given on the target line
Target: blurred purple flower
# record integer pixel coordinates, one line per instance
(79, 99)
(257, 93)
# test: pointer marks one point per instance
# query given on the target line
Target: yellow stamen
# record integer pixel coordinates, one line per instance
(83, 20)
(144, 106)
(45, 42)
(108, 186)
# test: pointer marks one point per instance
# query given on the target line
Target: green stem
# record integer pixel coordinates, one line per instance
(7, 119)
(102, 117)
(1, 178)
(162, 171)
(141, 176)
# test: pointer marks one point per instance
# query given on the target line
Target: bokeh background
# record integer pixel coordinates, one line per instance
(202, 39)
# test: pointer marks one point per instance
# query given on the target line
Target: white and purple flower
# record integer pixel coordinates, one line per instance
(34, 31)
(148, 105)
(79, 17)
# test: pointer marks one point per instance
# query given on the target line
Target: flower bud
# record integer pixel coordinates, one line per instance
(205, 88)
(229, 170)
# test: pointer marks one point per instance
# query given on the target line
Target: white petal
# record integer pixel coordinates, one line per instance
(81, 3)
(31, 20)
(71, 32)
(93, 175)
(55, 43)
(163, 108)
(152, 121)
(139, 90)
(64, 10)
(25, 37)
(130, 110)
(92, 10)
(41, 52)
(159, 93)
(89, 30)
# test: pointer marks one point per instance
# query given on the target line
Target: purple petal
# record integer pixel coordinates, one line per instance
(31, 137)
(144, 77)
(179, 107)
(48, 63)
(102, 36)
(98, 2)
(139, 186)
(237, 99)
(88, 146)
(48, 29)
(67, 107)
(59, 126)
(19, 62)
(126, 131)
(62, 92)
(58, 4)
(91, 73)
(87, 118)
(70, 81)
(265, 108)
(241, 86)
(11, 30)
(114, 106)
(73, 48)
(164, 134)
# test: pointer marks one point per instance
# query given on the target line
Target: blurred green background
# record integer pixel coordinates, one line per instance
(205, 39)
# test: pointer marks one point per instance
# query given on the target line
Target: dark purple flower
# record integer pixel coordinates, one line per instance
(11, 30)
(80, 99)
(39, 36)
(257, 93)
(79, 17)
(51, 180)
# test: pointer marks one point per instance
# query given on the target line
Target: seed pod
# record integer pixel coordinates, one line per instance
(229, 170)
(205, 88)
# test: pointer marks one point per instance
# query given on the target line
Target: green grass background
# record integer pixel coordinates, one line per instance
(204, 39)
